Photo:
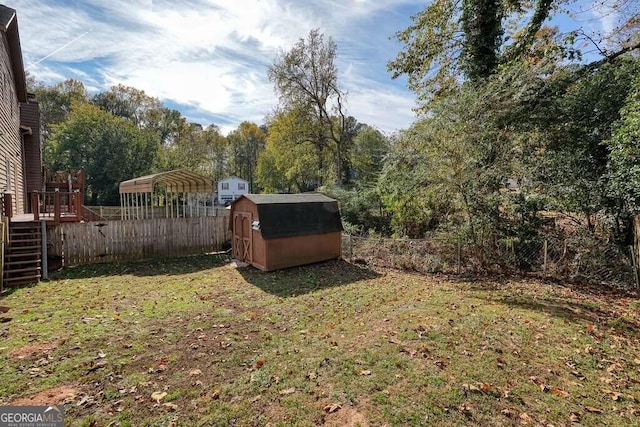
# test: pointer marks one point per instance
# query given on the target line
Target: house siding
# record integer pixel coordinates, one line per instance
(232, 193)
(30, 116)
(11, 164)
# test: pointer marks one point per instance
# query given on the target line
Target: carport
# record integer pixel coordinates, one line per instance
(173, 194)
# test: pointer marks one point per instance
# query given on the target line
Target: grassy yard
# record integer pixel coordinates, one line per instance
(194, 341)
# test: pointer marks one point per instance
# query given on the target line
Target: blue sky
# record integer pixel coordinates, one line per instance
(209, 58)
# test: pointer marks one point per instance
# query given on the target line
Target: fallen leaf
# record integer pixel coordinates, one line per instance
(574, 417)
(312, 375)
(287, 391)
(158, 396)
(485, 387)
(333, 407)
(593, 410)
(365, 372)
(171, 406)
(559, 392)
(215, 395)
(508, 412)
(259, 363)
(525, 418)
(466, 409)
(195, 372)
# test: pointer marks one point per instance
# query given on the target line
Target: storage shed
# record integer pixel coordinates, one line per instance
(274, 231)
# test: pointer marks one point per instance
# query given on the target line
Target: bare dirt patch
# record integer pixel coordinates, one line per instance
(53, 396)
(32, 351)
(346, 416)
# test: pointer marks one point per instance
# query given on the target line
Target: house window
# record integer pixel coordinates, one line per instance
(225, 185)
(241, 186)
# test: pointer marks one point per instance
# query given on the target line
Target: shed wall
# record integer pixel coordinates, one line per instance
(288, 252)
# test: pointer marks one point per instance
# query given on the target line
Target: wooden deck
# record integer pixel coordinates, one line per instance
(29, 217)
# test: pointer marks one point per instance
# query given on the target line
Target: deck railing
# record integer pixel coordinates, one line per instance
(56, 206)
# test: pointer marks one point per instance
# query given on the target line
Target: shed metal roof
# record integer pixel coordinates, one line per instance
(288, 215)
(266, 199)
(175, 181)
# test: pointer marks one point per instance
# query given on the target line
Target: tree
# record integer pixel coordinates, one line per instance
(246, 143)
(287, 165)
(129, 103)
(623, 177)
(205, 151)
(110, 149)
(368, 152)
(306, 79)
(451, 39)
(55, 105)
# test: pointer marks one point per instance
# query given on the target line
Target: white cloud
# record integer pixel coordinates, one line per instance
(211, 56)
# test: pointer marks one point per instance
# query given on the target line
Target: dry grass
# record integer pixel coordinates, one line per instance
(194, 341)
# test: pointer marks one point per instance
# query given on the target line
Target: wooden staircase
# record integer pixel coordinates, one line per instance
(23, 254)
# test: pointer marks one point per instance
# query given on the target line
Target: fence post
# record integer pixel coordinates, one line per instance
(35, 206)
(634, 266)
(544, 265)
(459, 256)
(8, 205)
(57, 209)
(44, 263)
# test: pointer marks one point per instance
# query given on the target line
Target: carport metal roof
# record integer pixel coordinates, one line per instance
(175, 181)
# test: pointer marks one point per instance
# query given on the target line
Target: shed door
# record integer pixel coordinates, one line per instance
(242, 249)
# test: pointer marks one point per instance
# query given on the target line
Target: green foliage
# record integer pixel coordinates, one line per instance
(204, 151)
(482, 26)
(55, 105)
(453, 41)
(367, 154)
(623, 169)
(361, 208)
(573, 116)
(624, 160)
(110, 149)
(246, 143)
(129, 103)
(288, 164)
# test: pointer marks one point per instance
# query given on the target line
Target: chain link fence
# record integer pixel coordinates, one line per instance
(577, 258)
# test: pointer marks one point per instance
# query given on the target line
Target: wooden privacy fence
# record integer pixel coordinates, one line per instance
(112, 241)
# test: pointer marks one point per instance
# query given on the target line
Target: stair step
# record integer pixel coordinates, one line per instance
(17, 241)
(22, 262)
(23, 248)
(22, 280)
(10, 273)
(20, 254)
